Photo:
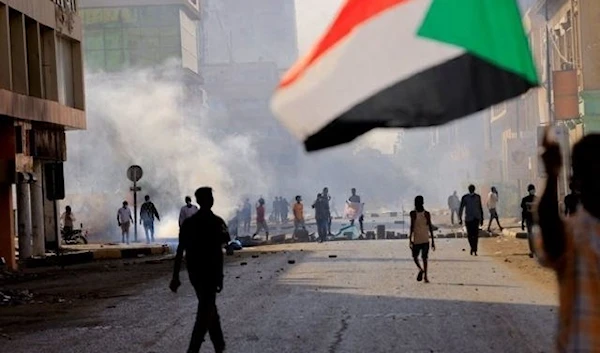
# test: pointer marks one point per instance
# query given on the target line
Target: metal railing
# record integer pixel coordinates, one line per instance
(70, 5)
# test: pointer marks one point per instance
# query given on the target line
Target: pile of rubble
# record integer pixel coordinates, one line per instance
(15, 297)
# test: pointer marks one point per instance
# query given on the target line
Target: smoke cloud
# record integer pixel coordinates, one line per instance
(145, 117)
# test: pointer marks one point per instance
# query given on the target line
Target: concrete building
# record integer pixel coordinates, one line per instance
(246, 46)
(123, 34)
(574, 62)
(41, 96)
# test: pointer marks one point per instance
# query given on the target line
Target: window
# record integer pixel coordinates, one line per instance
(114, 60)
(94, 39)
(94, 60)
(113, 38)
(19, 139)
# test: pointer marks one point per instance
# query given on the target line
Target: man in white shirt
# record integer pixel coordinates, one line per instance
(124, 219)
(492, 203)
(187, 211)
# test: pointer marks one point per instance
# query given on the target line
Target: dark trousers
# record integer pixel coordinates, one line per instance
(207, 319)
(473, 233)
(322, 229)
(149, 228)
(360, 222)
(453, 212)
(529, 227)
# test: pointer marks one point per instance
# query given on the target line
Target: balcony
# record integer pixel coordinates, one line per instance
(69, 5)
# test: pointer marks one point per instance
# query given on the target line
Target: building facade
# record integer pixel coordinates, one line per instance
(246, 46)
(140, 33)
(41, 96)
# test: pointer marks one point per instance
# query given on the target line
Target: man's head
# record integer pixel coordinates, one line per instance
(319, 195)
(494, 190)
(531, 189)
(298, 198)
(353, 191)
(68, 209)
(204, 197)
(471, 189)
(325, 190)
(419, 202)
(261, 201)
(125, 203)
(188, 200)
(586, 170)
(455, 193)
(147, 197)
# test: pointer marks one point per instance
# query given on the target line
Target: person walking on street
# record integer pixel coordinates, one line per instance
(68, 220)
(492, 204)
(527, 207)
(571, 246)
(327, 200)
(421, 229)
(298, 211)
(471, 204)
(572, 200)
(187, 211)
(453, 205)
(276, 211)
(284, 209)
(124, 219)
(356, 199)
(147, 214)
(247, 215)
(202, 238)
(261, 222)
(320, 217)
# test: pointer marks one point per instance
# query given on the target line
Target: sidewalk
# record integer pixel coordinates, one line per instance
(79, 254)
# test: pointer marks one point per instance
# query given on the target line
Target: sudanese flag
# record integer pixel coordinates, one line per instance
(405, 63)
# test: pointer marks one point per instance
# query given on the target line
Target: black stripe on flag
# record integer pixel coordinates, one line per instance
(446, 92)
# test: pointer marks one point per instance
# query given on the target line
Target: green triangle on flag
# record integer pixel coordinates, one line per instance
(490, 29)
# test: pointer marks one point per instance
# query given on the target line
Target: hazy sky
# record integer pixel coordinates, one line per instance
(313, 17)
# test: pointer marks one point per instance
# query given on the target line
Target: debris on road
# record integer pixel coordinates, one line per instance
(291, 262)
(332, 256)
(15, 297)
(254, 256)
(243, 263)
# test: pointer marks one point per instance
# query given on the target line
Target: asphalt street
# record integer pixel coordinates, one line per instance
(353, 296)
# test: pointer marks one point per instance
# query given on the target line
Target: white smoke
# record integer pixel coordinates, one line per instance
(147, 117)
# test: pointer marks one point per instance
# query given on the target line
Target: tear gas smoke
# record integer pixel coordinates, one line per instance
(145, 117)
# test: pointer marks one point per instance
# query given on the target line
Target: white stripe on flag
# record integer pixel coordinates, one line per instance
(380, 53)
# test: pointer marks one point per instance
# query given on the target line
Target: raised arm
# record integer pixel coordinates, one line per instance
(549, 219)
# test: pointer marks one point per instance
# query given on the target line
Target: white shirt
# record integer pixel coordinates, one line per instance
(187, 212)
(124, 215)
(492, 200)
(68, 220)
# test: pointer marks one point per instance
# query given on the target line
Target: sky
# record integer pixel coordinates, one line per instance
(313, 17)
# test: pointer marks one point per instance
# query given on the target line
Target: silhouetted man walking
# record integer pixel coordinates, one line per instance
(202, 237)
(471, 204)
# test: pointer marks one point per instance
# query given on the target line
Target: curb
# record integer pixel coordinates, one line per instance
(87, 256)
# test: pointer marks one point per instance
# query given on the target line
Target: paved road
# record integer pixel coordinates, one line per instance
(365, 300)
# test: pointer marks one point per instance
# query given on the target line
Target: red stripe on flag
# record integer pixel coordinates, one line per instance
(353, 14)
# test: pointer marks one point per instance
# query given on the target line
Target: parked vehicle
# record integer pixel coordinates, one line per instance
(74, 236)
